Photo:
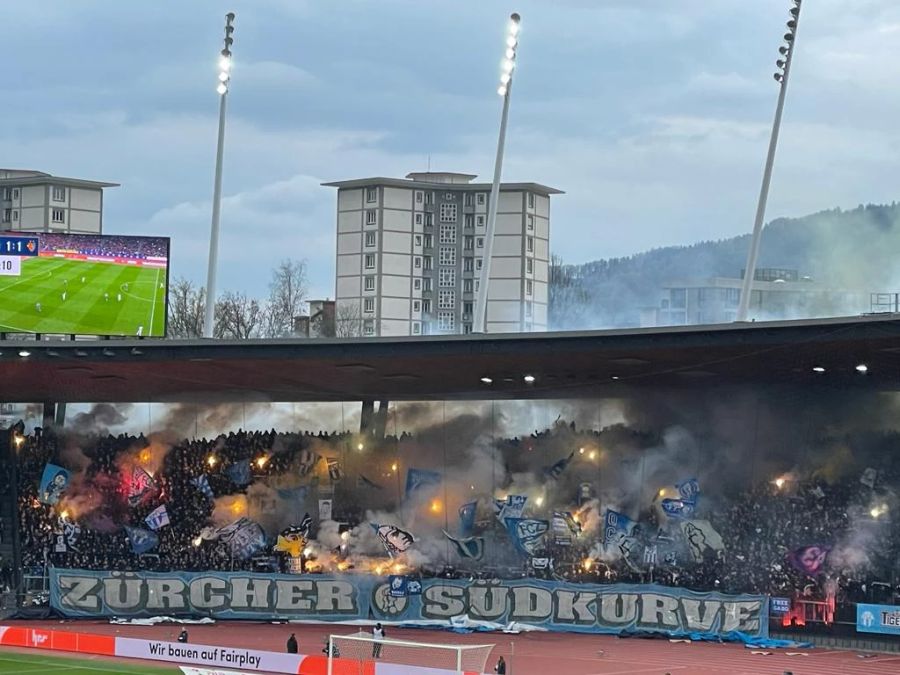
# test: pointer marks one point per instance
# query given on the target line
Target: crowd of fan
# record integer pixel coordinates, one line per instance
(758, 527)
(108, 246)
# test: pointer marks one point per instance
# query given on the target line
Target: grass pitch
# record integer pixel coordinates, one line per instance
(77, 296)
(46, 663)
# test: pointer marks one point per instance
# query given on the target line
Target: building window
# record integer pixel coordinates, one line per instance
(479, 221)
(446, 299)
(449, 196)
(7, 215)
(467, 285)
(467, 328)
(371, 195)
(481, 199)
(429, 197)
(15, 215)
(370, 261)
(446, 321)
(426, 306)
(7, 195)
(369, 327)
(477, 284)
(529, 221)
(417, 262)
(447, 255)
(429, 262)
(530, 245)
(448, 213)
(479, 263)
(429, 219)
(529, 287)
(447, 277)
(479, 242)
(417, 305)
(369, 305)
(417, 328)
(468, 199)
(679, 297)
(59, 193)
(418, 240)
(468, 243)
(426, 285)
(370, 238)
(418, 196)
(370, 283)
(469, 221)
(418, 219)
(371, 217)
(15, 193)
(59, 216)
(528, 308)
(467, 308)
(529, 265)
(417, 284)
(530, 200)
(448, 234)
(429, 241)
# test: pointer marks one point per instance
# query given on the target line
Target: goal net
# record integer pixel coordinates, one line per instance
(362, 654)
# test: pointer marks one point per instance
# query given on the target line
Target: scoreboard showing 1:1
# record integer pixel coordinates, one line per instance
(12, 250)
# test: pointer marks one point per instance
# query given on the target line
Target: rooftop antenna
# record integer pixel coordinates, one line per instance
(781, 76)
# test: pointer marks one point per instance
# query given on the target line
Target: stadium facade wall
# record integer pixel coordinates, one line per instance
(543, 605)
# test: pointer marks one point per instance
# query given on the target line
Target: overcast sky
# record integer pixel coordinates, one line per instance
(652, 115)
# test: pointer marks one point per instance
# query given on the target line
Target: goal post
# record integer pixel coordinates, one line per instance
(363, 654)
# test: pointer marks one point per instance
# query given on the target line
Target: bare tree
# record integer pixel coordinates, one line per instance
(348, 321)
(238, 316)
(186, 308)
(287, 293)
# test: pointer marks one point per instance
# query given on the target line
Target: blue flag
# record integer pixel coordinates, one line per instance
(158, 518)
(421, 479)
(616, 528)
(54, 482)
(201, 482)
(678, 508)
(555, 471)
(362, 481)
(467, 518)
(399, 585)
(468, 547)
(239, 472)
(244, 537)
(689, 490)
(527, 533)
(141, 540)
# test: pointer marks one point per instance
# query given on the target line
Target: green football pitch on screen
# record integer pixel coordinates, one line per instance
(53, 295)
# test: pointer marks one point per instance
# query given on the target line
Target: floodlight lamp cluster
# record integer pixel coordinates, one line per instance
(509, 57)
(225, 58)
(786, 49)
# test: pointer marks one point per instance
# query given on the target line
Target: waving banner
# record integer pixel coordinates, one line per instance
(527, 533)
(54, 482)
(557, 606)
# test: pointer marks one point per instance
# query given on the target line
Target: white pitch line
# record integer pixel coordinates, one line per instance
(153, 308)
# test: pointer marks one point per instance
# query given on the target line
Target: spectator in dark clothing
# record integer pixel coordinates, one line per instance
(183, 635)
(292, 645)
(500, 668)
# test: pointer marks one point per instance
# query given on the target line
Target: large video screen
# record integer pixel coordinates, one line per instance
(83, 284)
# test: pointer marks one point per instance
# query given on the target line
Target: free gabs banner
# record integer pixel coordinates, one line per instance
(54, 482)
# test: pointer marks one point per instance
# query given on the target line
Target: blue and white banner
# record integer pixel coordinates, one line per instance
(469, 547)
(141, 540)
(158, 518)
(555, 471)
(54, 482)
(689, 490)
(527, 533)
(239, 472)
(201, 482)
(467, 518)
(244, 537)
(556, 606)
(513, 507)
(884, 619)
(678, 508)
(421, 480)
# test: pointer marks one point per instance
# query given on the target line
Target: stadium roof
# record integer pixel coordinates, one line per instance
(564, 365)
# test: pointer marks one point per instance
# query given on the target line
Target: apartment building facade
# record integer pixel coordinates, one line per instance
(34, 201)
(410, 253)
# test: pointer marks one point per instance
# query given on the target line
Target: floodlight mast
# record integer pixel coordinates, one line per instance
(781, 76)
(222, 89)
(479, 323)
